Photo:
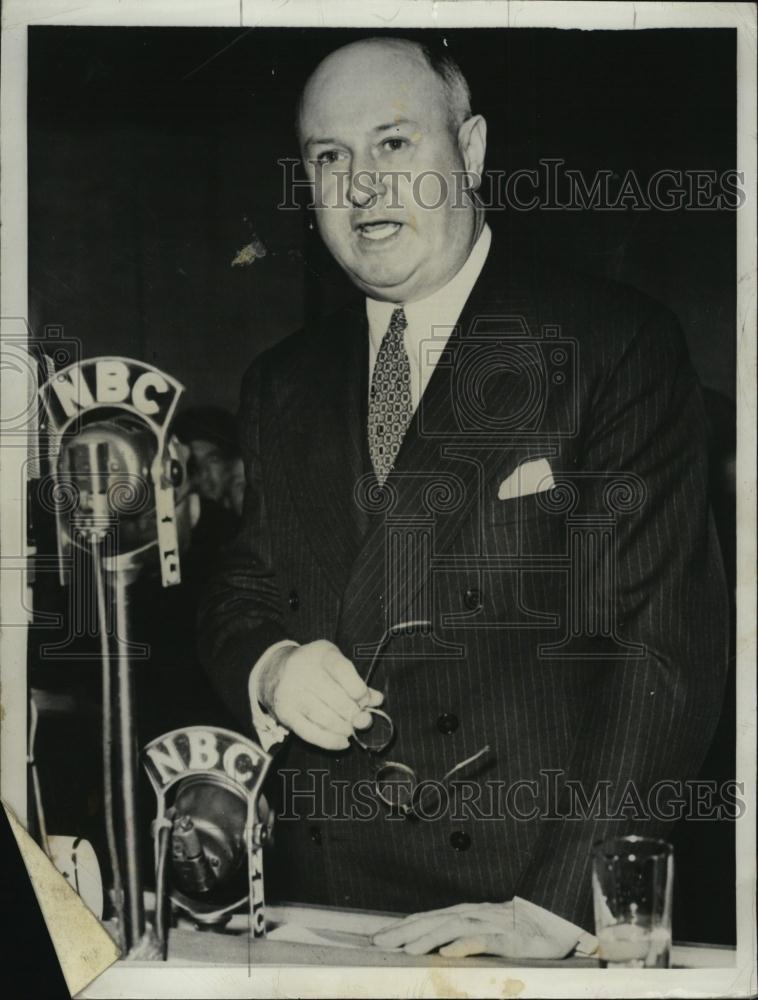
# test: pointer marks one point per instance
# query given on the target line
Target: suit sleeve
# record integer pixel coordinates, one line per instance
(650, 717)
(240, 610)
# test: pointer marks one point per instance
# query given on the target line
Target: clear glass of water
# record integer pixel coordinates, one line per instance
(632, 886)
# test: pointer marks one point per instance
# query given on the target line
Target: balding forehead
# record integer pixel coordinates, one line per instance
(353, 56)
(393, 67)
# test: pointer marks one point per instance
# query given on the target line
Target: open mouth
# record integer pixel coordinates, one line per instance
(381, 230)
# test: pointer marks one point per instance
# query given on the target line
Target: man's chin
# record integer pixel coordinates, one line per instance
(390, 283)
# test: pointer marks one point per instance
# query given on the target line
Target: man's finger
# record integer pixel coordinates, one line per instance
(363, 720)
(316, 735)
(426, 915)
(508, 944)
(410, 928)
(327, 691)
(465, 946)
(345, 674)
(445, 932)
(401, 929)
(396, 934)
(323, 715)
(372, 698)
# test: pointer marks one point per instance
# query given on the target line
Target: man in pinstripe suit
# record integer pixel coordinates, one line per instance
(512, 459)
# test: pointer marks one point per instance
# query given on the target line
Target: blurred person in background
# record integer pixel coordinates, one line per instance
(216, 472)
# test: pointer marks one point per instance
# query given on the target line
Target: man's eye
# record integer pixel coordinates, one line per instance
(327, 156)
(394, 143)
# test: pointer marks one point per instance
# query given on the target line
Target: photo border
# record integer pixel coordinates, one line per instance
(131, 979)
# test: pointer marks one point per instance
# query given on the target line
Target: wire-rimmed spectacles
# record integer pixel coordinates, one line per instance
(397, 784)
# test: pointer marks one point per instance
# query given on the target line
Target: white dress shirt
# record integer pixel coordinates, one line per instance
(430, 320)
(430, 323)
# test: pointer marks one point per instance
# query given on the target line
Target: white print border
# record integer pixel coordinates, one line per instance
(128, 980)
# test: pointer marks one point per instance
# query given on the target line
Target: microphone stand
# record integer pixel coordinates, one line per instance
(126, 755)
(120, 747)
(114, 471)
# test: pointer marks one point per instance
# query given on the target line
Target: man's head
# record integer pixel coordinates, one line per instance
(211, 469)
(388, 140)
(210, 434)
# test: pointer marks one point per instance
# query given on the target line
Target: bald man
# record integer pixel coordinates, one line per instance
(477, 570)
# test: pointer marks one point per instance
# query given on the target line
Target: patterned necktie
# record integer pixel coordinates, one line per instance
(390, 407)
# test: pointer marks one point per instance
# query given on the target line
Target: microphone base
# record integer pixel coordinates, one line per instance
(206, 915)
(147, 949)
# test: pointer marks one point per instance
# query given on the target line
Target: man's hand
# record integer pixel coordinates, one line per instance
(516, 929)
(317, 693)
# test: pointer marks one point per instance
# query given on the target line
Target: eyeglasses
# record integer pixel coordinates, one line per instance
(397, 784)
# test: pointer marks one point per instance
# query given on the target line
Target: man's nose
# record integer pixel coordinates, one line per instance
(365, 186)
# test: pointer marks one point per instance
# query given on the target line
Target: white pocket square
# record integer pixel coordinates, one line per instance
(530, 477)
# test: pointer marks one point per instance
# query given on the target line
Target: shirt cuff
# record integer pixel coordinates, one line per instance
(268, 731)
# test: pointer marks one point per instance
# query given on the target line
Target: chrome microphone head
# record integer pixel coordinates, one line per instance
(208, 838)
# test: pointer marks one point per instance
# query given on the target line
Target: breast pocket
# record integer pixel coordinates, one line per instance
(530, 525)
(518, 509)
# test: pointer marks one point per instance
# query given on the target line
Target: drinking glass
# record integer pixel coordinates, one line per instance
(632, 885)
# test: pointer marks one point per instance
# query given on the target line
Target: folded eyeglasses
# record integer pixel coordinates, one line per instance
(397, 784)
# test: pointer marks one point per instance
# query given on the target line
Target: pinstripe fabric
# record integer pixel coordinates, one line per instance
(633, 406)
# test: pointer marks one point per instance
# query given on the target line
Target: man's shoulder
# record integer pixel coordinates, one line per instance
(595, 295)
(610, 318)
(310, 351)
(559, 283)
(599, 311)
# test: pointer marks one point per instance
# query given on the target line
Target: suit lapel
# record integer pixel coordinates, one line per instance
(321, 442)
(449, 452)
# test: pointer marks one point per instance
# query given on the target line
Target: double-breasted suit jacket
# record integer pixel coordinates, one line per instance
(578, 630)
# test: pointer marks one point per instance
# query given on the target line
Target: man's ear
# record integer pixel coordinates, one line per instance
(472, 142)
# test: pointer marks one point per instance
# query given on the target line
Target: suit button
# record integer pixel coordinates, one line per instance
(460, 841)
(447, 723)
(472, 599)
(294, 600)
(315, 834)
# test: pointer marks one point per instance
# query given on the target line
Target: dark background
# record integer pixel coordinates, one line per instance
(28, 963)
(153, 161)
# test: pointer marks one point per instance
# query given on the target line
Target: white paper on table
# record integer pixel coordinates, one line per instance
(297, 934)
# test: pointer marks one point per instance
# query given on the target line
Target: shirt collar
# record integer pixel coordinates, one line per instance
(441, 308)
